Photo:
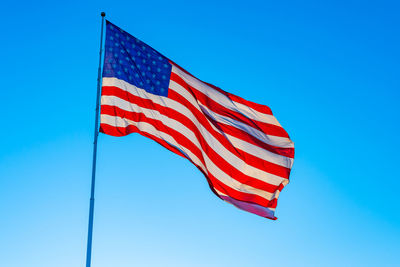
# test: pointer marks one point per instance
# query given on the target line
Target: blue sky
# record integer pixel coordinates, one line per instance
(328, 69)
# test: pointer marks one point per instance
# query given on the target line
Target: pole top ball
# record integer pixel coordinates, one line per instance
(103, 14)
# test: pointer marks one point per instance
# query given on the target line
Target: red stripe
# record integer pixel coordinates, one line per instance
(243, 196)
(267, 128)
(219, 161)
(121, 131)
(252, 198)
(172, 113)
(231, 130)
(258, 107)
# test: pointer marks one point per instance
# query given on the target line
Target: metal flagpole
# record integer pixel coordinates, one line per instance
(96, 133)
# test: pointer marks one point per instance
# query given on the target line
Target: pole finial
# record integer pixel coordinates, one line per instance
(103, 14)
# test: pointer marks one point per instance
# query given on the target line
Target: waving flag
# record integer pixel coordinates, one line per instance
(239, 146)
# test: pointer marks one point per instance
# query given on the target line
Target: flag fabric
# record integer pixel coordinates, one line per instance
(238, 145)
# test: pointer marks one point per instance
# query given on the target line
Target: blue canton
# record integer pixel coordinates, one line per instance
(129, 59)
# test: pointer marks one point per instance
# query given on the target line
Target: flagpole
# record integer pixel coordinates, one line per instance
(96, 133)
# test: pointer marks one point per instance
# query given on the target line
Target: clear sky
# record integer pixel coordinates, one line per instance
(328, 69)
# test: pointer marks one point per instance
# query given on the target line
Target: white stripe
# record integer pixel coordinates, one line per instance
(236, 162)
(223, 100)
(260, 153)
(216, 172)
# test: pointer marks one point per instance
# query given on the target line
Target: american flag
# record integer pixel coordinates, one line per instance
(238, 145)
